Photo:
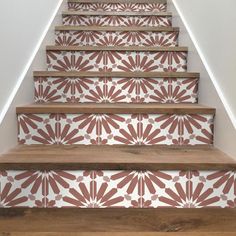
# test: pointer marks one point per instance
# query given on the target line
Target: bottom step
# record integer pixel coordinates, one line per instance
(115, 234)
(119, 220)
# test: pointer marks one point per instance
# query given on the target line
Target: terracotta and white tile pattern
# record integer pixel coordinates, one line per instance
(127, 129)
(124, 189)
(117, 61)
(118, 38)
(116, 90)
(120, 7)
(150, 21)
(22, 189)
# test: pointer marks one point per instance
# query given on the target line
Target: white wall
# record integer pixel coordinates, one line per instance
(212, 23)
(210, 37)
(22, 25)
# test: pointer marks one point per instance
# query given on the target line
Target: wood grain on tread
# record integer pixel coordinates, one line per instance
(114, 108)
(115, 13)
(116, 74)
(115, 234)
(116, 28)
(116, 48)
(82, 157)
(118, 1)
(118, 220)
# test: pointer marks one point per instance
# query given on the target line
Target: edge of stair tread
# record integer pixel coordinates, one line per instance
(116, 157)
(117, 74)
(114, 108)
(116, 13)
(118, 234)
(116, 28)
(159, 221)
(116, 48)
(117, 1)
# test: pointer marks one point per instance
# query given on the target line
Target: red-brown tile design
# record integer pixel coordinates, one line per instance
(120, 7)
(123, 189)
(116, 90)
(126, 129)
(117, 61)
(151, 21)
(117, 38)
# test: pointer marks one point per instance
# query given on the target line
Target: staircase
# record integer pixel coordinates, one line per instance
(116, 124)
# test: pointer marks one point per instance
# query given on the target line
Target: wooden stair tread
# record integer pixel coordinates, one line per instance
(116, 48)
(118, 220)
(117, 1)
(116, 28)
(116, 13)
(116, 74)
(116, 234)
(77, 157)
(114, 108)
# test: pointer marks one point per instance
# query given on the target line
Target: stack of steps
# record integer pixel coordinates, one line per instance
(116, 124)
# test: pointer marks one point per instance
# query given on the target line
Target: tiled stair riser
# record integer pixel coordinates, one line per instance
(126, 129)
(108, 189)
(151, 21)
(117, 61)
(118, 38)
(120, 7)
(116, 90)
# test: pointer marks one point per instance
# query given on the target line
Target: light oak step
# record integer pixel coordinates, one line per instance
(164, 222)
(116, 1)
(117, 48)
(117, 74)
(94, 108)
(115, 234)
(116, 28)
(143, 158)
(107, 13)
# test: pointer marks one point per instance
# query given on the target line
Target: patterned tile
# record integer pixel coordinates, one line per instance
(119, 7)
(21, 189)
(128, 129)
(108, 189)
(212, 189)
(34, 129)
(69, 189)
(116, 38)
(150, 21)
(116, 90)
(117, 61)
(165, 189)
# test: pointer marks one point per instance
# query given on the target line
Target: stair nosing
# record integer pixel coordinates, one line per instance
(117, 74)
(114, 108)
(157, 157)
(116, 48)
(120, 1)
(116, 28)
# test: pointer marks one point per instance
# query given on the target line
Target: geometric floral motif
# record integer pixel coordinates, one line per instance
(110, 129)
(212, 189)
(118, 7)
(122, 189)
(117, 38)
(104, 61)
(21, 189)
(150, 21)
(116, 90)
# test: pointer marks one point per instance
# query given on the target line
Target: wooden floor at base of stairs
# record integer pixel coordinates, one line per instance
(114, 234)
(116, 157)
(119, 220)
